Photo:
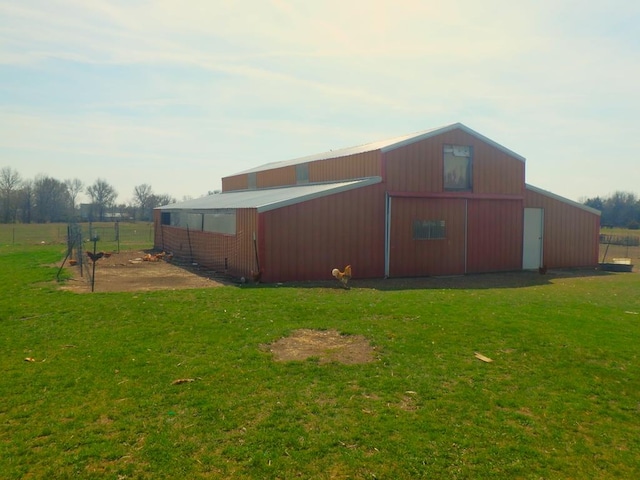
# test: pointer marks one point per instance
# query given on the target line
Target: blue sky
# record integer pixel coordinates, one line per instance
(178, 94)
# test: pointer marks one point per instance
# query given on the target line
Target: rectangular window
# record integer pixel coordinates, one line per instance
(223, 221)
(165, 218)
(252, 181)
(194, 221)
(458, 162)
(302, 173)
(429, 229)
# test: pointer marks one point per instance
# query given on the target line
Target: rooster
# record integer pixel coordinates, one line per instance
(342, 277)
(95, 256)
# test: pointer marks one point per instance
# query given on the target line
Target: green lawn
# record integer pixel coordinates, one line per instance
(560, 400)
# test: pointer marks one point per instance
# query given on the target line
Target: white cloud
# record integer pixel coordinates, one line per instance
(226, 84)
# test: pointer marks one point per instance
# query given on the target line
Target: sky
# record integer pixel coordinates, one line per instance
(177, 94)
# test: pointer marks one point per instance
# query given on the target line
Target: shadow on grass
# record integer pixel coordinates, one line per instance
(519, 279)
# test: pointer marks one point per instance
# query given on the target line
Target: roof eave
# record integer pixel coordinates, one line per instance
(562, 199)
(304, 198)
(449, 128)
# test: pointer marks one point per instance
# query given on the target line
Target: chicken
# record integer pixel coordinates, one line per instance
(542, 270)
(95, 256)
(157, 257)
(342, 277)
(256, 276)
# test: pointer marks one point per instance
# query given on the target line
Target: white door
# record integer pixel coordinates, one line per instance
(533, 234)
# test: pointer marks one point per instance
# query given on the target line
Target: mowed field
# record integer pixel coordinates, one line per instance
(185, 383)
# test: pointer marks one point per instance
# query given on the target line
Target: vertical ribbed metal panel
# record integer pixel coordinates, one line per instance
(234, 254)
(494, 235)
(409, 257)
(236, 182)
(361, 165)
(418, 167)
(306, 241)
(571, 234)
(276, 177)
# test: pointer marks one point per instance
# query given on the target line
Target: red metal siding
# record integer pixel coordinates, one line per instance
(276, 177)
(494, 235)
(409, 257)
(361, 165)
(571, 234)
(306, 241)
(236, 182)
(418, 167)
(367, 164)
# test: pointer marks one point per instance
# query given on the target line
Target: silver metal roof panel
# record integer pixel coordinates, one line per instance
(269, 198)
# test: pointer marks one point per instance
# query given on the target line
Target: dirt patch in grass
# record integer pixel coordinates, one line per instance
(128, 271)
(325, 345)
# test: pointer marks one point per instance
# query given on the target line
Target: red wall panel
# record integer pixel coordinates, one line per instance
(571, 234)
(494, 235)
(418, 167)
(409, 257)
(306, 241)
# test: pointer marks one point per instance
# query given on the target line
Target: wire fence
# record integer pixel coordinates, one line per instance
(111, 235)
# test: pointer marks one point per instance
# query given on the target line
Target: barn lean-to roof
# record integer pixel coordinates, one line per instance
(266, 199)
(383, 146)
(546, 193)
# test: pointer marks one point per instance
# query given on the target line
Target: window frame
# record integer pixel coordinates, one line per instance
(454, 165)
(429, 230)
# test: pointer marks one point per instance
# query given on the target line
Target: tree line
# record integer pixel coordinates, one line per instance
(621, 209)
(46, 199)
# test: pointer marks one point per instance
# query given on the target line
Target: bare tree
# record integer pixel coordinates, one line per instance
(143, 199)
(10, 181)
(74, 187)
(163, 199)
(102, 196)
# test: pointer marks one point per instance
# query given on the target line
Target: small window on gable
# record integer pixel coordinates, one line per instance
(429, 229)
(302, 173)
(252, 181)
(458, 164)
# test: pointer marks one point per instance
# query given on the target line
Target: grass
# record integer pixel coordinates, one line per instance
(559, 401)
(112, 235)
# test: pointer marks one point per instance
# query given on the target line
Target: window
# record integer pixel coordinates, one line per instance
(193, 221)
(223, 221)
(458, 161)
(165, 218)
(302, 173)
(429, 229)
(252, 181)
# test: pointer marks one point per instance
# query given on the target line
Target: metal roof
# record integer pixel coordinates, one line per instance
(383, 146)
(269, 198)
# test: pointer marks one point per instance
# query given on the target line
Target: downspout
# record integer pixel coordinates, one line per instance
(466, 232)
(387, 233)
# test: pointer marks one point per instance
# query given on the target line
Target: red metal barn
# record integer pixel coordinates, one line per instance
(446, 201)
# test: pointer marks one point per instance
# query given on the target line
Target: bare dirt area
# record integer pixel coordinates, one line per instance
(128, 271)
(325, 345)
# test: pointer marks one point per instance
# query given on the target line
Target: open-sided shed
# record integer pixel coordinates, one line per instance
(444, 201)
